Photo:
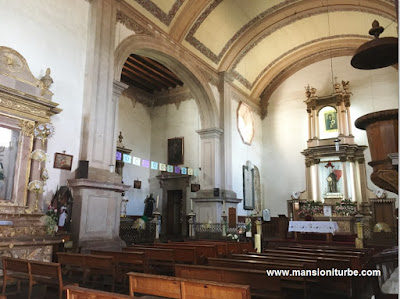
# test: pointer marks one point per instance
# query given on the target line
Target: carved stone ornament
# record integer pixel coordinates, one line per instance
(131, 24)
(27, 127)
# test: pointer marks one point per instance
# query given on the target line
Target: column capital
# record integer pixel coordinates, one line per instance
(210, 133)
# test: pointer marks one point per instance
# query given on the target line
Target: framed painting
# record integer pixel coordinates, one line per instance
(62, 161)
(248, 188)
(331, 124)
(175, 151)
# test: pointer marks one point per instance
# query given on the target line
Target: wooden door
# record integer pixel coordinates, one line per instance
(174, 212)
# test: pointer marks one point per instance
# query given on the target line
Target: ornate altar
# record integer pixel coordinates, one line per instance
(25, 110)
(335, 167)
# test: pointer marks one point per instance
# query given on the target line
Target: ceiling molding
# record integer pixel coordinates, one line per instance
(165, 18)
(131, 24)
(283, 10)
(295, 12)
(189, 14)
(249, 85)
(299, 60)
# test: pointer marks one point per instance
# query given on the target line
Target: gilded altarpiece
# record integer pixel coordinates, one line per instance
(335, 167)
(25, 102)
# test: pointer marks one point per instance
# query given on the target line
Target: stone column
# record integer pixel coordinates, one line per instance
(99, 109)
(97, 199)
(344, 122)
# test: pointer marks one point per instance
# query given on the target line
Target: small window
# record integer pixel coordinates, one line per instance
(245, 123)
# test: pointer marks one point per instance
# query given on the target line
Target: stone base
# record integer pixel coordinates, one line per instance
(209, 209)
(96, 213)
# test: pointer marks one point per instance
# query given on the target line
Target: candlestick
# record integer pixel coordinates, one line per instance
(158, 199)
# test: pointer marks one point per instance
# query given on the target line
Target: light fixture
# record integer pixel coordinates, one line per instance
(377, 53)
(337, 143)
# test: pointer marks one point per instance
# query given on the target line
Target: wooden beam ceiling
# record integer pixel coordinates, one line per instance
(148, 75)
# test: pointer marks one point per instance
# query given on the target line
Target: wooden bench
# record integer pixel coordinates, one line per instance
(176, 287)
(126, 261)
(159, 260)
(260, 284)
(15, 269)
(355, 261)
(88, 265)
(32, 271)
(75, 292)
(201, 251)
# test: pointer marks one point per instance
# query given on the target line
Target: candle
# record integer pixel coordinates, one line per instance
(158, 199)
(191, 204)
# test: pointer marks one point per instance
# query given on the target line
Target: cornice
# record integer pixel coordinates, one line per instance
(165, 18)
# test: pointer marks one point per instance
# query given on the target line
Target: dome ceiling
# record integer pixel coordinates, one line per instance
(260, 43)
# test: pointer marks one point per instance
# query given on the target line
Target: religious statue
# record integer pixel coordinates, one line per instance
(332, 182)
(148, 206)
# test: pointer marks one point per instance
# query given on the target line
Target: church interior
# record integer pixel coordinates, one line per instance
(184, 149)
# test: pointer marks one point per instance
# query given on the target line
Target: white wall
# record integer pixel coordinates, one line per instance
(135, 124)
(241, 153)
(170, 122)
(53, 34)
(285, 128)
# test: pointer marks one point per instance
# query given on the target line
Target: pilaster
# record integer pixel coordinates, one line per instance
(99, 109)
(210, 158)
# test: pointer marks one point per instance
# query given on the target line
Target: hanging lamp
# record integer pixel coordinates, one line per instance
(376, 53)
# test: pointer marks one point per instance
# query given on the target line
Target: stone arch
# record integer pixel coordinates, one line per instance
(180, 63)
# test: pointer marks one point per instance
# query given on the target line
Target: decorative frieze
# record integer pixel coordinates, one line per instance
(131, 24)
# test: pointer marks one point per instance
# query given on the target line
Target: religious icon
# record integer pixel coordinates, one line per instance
(330, 121)
(175, 151)
(62, 161)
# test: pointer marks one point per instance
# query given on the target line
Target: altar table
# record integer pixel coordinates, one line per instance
(323, 227)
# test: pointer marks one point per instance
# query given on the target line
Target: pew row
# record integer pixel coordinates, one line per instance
(177, 287)
(75, 292)
(33, 272)
(260, 285)
(88, 266)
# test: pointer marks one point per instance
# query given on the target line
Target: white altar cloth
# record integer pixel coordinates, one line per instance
(313, 226)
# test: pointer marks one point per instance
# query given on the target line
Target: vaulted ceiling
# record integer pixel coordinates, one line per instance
(260, 43)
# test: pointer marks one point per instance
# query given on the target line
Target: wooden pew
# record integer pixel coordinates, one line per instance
(87, 265)
(182, 254)
(355, 261)
(308, 262)
(126, 261)
(260, 284)
(202, 251)
(46, 273)
(176, 287)
(33, 272)
(15, 269)
(341, 285)
(75, 292)
(159, 260)
(99, 265)
(361, 256)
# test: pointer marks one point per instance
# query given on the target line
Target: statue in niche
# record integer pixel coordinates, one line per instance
(148, 206)
(332, 182)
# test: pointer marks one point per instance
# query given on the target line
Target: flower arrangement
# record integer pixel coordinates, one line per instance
(51, 220)
(233, 237)
(345, 208)
(44, 131)
(36, 187)
(310, 208)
